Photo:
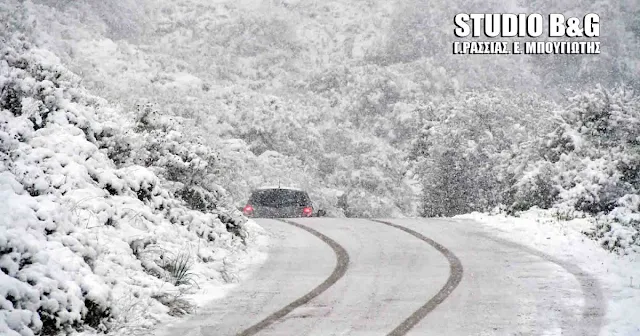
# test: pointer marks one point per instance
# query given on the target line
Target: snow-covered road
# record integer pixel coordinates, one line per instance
(505, 289)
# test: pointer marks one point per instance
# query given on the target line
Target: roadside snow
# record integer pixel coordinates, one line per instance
(236, 269)
(619, 275)
(214, 290)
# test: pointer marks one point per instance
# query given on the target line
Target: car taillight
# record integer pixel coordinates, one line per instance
(307, 211)
(248, 210)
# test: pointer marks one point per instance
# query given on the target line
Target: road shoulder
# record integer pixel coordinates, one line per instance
(619, 276)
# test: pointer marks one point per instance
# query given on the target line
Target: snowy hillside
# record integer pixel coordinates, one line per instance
(86, 242)
(337, 97)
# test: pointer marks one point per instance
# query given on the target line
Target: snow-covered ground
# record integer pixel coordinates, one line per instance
(619, 275)
(237, 271)
(256, 256)
(213, 290)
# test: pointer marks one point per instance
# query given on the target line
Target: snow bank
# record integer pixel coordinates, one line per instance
(564, 239)
(86, 244)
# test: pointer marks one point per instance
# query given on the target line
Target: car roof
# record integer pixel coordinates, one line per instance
(278, 187)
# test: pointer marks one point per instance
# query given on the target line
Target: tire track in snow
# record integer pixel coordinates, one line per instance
(342, 263)
(591, 320)
(455, 276)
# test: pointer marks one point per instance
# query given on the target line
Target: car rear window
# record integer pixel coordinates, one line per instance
(279, 197)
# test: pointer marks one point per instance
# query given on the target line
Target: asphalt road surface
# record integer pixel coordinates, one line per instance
(329, 276)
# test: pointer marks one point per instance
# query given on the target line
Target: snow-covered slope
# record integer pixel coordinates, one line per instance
(86, 243)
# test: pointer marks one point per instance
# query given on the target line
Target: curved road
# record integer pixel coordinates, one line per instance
(401, 277)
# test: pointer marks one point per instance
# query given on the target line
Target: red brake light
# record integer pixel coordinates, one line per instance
(248, 209)
(307, 211)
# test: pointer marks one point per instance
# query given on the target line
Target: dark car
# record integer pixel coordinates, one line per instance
(279, 203)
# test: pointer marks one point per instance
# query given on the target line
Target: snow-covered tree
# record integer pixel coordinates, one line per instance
(589, 162)
(465, 155)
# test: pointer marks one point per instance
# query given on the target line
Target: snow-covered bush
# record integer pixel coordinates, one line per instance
(619, 230)
(582, 160)
(466, 154)
(70, 217)
(534, 188)
(589, 163)
(190, 170)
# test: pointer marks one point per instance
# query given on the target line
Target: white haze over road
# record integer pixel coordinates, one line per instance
(506, 288)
